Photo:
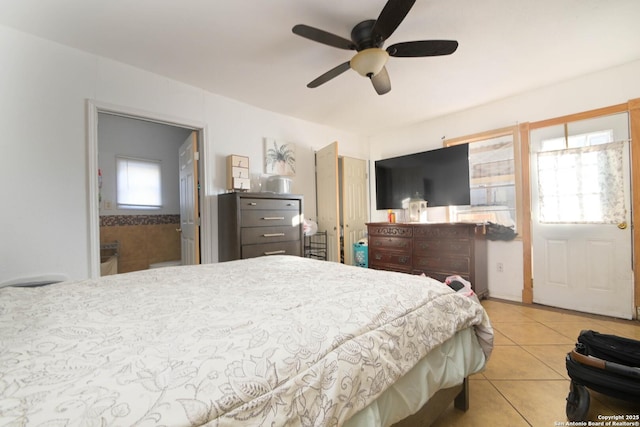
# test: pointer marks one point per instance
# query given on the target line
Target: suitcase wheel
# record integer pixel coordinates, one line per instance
(577, 402)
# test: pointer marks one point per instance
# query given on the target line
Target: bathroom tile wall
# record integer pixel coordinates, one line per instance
(144, 239)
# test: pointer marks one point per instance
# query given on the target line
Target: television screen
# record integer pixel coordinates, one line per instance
(441, 177)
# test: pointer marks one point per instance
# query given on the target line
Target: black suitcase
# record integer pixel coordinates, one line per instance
(608, 364)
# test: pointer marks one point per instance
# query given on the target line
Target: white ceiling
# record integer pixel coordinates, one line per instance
(245, 49)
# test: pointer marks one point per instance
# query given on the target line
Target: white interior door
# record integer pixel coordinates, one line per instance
(582, 256)
(354, 203)
(189, 211)
(327, 195)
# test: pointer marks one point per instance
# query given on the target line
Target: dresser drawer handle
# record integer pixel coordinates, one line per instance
(273, 218)
(273, 235)
(252, 204)
(282, 251)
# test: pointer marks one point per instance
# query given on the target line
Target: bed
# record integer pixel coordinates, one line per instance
(268, 341)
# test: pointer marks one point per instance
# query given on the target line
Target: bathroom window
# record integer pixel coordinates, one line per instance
(138, 183)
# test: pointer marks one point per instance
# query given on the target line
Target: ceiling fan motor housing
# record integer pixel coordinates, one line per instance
(363, 37)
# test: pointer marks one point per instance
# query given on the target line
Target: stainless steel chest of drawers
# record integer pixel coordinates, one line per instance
(259, 224)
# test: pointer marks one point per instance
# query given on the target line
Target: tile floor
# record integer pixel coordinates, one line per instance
(525, 382)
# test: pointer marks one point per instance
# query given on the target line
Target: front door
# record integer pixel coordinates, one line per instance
(189, 212)
(580, 203)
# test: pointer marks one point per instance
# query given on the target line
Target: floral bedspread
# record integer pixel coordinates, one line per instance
(270, 341)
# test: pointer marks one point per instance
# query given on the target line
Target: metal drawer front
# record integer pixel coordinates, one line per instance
(269, 218)
(275, 204)
(281, 248)
(254, 235)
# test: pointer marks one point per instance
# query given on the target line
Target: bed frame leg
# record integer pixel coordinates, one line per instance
(461, 401)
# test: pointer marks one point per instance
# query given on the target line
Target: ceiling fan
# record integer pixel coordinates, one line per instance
(367, 38)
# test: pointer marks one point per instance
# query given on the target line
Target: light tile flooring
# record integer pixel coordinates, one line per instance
(525, 382)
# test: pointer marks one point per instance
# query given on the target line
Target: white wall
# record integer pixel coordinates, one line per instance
(613, 86)
(44, 227)
(43, 166)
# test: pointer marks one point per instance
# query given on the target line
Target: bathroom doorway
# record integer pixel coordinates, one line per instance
(145, 236)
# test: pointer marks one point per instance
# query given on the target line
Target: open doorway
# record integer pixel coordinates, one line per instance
(144, 234)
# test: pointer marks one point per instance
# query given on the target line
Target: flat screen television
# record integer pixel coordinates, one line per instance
(441, 177)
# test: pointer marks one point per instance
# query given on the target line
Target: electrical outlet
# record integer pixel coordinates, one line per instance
(499, 267)
(108, 205)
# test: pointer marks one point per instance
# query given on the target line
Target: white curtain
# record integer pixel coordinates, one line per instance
(582, 185)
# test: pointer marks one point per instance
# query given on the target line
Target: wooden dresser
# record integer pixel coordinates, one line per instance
(437, 250)
(257, 224)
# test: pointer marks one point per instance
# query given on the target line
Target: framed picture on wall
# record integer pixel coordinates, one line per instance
(280, 157)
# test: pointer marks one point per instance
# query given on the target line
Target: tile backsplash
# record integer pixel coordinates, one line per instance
(144, 239)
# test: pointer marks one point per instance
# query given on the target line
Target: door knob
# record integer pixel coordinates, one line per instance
(179, 230)
(622, 225)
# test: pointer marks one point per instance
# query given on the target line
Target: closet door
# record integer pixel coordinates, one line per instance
(354, 203)
(327, 192)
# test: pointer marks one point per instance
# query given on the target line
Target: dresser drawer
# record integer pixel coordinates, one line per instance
(449, 247)
(268, 218)
(279, 248)
(438, 250)
(271, 204)
(254, 235)
(391, 243)
(454, 265)
(385, 260)
(444, 232)
(390, 230)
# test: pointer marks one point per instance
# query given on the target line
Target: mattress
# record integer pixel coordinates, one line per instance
(445, 366)
(275, 340)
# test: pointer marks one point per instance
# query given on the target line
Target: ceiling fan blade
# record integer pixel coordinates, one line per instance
(391, 16)
(423, 48)
(381, 82)
(323, 37)
(334, 72)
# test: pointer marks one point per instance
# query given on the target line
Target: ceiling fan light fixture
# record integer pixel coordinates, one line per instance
(369, 62)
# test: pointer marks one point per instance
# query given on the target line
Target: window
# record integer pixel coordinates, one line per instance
(492, 178)
(580, 179)
(138, 183)
(492, 174)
